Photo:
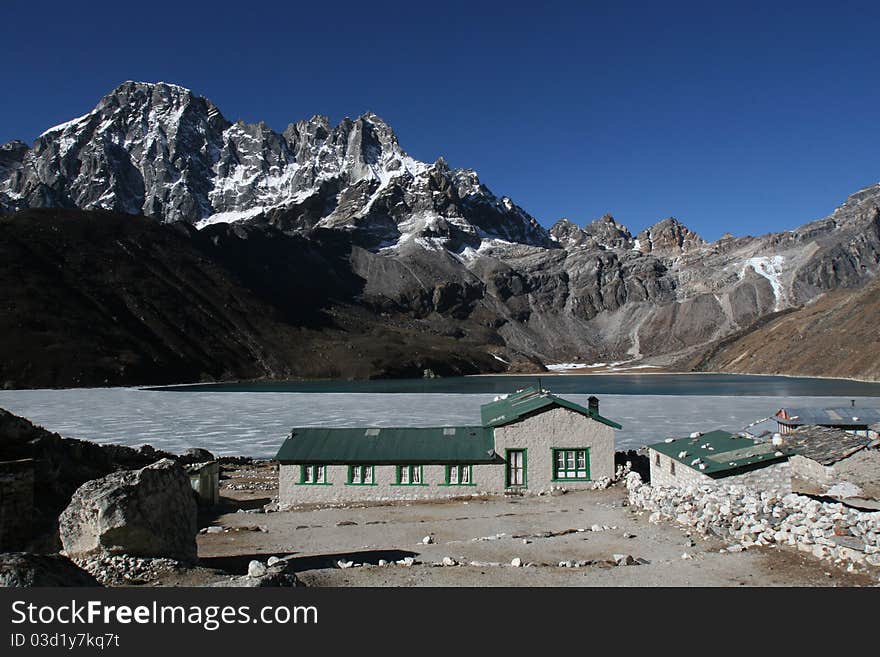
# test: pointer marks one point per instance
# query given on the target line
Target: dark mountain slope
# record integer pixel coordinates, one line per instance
(95, 298)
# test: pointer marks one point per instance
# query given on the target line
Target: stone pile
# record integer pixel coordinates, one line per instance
(271, 573)
(830, 531)
(119, 570)
(251, 485)
(515, 562)
(620, 474)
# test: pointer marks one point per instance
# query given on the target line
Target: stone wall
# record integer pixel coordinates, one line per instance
(557, 428)
(205, 480)
(538, 435)
(291, 492)
(662, 475)
(810, 470)
(775, 477)
(771, 477)
(16, 504)
(748, 518)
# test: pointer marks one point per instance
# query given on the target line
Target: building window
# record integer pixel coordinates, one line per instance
(313, 474)
(409, 475)
(459, 475)
(657, 460)
(672, 467)
(571, 464)
(360, 475)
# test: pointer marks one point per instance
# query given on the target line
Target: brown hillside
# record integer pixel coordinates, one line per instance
(837, 336)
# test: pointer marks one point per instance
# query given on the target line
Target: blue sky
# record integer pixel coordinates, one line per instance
(739, 116)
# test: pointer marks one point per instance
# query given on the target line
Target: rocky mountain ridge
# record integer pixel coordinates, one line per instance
(417, 248)
(164, 152)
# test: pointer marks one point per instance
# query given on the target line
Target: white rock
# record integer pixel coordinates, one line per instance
(516, 562)
(427, 540)
(271, 561)
(256, 569)
(845, 489)
(448, 561)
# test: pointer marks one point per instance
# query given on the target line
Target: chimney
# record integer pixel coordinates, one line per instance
(593, 404)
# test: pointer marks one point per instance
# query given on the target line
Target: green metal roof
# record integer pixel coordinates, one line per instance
(389, 446)
(512, 408)
(721, 453)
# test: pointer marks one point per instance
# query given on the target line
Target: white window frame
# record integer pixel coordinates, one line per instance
(313, 475)
(361, 475)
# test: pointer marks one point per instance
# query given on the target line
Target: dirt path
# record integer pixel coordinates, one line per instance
(541, 531)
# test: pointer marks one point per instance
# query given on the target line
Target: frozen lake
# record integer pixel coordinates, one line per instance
(255, 423)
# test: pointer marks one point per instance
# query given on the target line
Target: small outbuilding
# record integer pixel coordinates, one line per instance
(824, 457)
(526, 442)
(719, 458)
(205, 481)
(858, 420)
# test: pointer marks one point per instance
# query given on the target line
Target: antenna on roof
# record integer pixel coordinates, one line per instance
(539, 385)
(852, 403)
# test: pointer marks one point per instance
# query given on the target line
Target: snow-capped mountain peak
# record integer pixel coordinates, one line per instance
(159, 149)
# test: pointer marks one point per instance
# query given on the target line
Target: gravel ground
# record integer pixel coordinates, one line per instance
(541, 531)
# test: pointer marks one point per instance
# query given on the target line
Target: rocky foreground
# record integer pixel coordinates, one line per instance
(749, 519)
(136, 526)
(73, 513)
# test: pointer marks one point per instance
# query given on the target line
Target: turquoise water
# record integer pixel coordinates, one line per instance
(597, 384)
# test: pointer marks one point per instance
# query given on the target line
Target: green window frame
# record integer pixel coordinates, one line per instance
(361, 475)
(571, 464)
(313, 475)
(459, 475)
(409, 475)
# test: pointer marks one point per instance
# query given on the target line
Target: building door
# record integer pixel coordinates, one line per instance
(516, 468)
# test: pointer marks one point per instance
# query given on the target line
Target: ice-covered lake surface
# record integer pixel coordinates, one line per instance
(255, 423)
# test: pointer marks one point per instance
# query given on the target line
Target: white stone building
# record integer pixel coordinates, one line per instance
(719, 458)
(527, 442)
(824, 457)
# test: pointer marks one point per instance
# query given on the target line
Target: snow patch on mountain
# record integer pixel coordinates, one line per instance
(229, 217)
(67, 124)
(770, 267)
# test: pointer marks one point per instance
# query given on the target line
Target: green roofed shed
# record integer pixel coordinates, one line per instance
(720, 453)
(515, 407)
(389, 446)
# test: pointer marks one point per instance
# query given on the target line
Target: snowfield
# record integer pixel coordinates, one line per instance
(771, 269)
(255, 423)
(228, 217)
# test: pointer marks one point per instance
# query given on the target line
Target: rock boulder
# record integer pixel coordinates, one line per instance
(22, 569)
(149, 512)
